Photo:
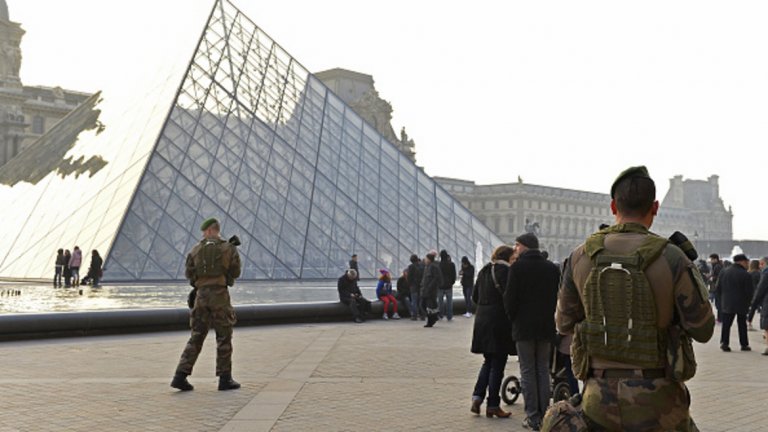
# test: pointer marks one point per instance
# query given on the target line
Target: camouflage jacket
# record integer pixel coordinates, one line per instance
(680, 294)
(230, 261)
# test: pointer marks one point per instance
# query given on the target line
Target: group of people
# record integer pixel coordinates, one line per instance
(425, 287)
(738, 290)
(67, 268)
(515, 296)
(629, 301)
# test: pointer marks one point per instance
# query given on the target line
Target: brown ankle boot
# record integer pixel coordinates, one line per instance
(498, 412)
(475, 408)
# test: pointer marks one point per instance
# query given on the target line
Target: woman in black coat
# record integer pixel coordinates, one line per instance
(492, 332)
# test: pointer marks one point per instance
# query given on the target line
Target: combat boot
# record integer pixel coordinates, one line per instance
(227, 383)
(180, 382)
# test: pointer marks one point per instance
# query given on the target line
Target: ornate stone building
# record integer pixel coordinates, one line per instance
(26, 112)
(563, 218)
(358, 91)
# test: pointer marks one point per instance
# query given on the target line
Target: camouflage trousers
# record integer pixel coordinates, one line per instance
(637, 404)
(212, 309)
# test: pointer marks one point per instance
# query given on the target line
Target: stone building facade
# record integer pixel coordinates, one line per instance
(563, 218)
(358, 91)
(26, 112)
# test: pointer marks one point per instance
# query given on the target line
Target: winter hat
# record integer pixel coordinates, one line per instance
(384, 271)
(528, 240)
(740, 257)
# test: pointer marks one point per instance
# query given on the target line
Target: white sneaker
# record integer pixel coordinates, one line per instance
(385, 317)
(468, 315)
(395, 316)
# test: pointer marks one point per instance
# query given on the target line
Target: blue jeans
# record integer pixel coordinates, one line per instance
(416, 304)
(534, 377)
(490, 377)
(468, 297)
(445, 306)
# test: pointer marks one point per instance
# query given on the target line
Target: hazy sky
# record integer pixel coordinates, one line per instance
(560, 93)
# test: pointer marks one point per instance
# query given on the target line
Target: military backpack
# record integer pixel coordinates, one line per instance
(621, 318)
(208, 260)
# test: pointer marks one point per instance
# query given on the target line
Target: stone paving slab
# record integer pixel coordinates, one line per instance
(377, 376)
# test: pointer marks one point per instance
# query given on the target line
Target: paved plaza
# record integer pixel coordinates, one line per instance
(377, 376)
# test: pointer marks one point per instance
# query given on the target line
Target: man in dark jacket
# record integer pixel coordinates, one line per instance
(430, 284)
(530, 300)
(350, 295)
(445, 293)
(714, 295)
(415, 275)
(735, 288)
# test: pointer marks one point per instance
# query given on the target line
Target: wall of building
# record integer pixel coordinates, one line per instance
(565, 217)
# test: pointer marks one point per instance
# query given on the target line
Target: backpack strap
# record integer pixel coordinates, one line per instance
(651, 249)
(594, 244)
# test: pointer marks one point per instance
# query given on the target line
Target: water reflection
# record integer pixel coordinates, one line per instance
(45, 298)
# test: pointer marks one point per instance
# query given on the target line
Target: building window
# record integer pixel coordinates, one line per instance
(38, 124)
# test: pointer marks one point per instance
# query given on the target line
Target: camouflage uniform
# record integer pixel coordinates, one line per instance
(212, 308)
(643, 402)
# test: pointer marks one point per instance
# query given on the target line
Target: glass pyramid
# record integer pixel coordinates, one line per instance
(250, 137)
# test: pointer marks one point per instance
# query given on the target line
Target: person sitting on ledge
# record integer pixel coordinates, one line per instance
(350, 295)
(384, 293)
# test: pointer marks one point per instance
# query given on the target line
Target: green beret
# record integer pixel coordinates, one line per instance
(636, 171)
(208, 222)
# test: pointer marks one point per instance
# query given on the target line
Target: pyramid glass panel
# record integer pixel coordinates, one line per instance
(237, 129)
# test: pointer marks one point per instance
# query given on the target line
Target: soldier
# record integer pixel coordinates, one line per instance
(211, 266)
(633, 302)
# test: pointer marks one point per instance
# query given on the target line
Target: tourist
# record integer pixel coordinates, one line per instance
(467, 274)
(58, 268)
(67, 271)
(384, 293)
(353, 265)
(74, 265)
(492, 333)
(94, 271)
(754, 272)
(760, 302)
(445, 293)
(714, 294)
(735, 288)
(431, 282)
(350, 295)
(404, 292)
(211, 266)
(530, 300)
(415, 276)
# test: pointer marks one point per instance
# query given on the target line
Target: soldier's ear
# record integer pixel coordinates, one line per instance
(613, 207)
(655, 207)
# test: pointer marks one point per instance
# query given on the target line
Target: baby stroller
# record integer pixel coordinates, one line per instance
(561, 390)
